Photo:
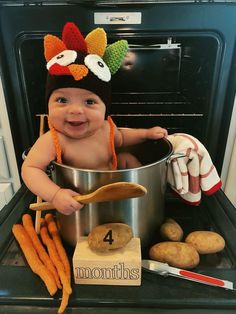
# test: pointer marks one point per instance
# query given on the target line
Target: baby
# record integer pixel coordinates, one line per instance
(81, 133)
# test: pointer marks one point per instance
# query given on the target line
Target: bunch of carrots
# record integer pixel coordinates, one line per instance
(46, 255)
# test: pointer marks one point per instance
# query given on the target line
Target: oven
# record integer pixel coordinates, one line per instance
(179, 73)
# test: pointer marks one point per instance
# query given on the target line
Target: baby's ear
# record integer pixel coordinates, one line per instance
(52, 46)
(114, 55)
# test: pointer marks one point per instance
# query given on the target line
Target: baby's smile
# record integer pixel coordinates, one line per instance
(76, 123)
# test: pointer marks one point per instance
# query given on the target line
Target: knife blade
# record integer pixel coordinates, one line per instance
(164, 269)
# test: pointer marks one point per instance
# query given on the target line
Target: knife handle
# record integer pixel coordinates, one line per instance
(205, 279)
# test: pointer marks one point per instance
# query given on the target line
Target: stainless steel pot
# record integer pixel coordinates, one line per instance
(144, 214)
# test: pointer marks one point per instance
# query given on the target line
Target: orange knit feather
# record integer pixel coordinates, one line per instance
(78, 71)
(52, 46)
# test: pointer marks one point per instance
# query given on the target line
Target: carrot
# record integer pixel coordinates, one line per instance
(43, 255)
(55, 257)
(64, 301)
(53, 230)
(32, 258)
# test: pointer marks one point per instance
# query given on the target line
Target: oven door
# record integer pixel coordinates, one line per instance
(21, 291)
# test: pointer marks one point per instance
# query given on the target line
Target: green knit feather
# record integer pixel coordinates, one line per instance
(114, 55)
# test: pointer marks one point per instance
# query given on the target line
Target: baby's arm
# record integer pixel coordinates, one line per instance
(35, 178)
(128, 136)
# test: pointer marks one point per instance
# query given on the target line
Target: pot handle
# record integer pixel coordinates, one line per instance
(174, 156)
(25, 153)
(50, 169)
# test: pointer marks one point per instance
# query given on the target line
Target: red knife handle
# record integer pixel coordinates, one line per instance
(202, 278)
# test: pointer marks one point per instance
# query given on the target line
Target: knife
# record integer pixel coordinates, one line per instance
(164, 269)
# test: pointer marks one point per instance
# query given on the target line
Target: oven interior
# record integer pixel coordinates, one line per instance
(171, 81)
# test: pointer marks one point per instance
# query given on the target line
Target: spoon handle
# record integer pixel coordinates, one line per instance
(85, 199)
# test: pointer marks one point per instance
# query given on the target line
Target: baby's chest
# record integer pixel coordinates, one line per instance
(92, 155)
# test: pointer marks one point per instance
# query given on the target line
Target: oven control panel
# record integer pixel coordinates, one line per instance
(117, 17)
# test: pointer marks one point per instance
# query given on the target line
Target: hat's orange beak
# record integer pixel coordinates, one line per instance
(78, 71)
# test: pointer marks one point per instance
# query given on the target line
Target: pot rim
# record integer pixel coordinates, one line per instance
(166, 157)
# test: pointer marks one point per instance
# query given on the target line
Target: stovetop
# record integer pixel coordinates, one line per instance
(23, 292)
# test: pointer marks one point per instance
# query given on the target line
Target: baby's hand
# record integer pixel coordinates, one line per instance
(156, 132)
(64, 202)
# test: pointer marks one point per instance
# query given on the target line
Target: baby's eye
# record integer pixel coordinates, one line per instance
(90, 101)
(61, 100)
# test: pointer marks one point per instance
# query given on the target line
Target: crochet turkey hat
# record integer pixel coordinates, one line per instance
(88, 63)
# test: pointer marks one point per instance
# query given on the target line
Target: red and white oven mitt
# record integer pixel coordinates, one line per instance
(190, 169)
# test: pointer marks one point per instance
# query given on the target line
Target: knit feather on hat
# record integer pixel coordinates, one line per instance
(75, 61)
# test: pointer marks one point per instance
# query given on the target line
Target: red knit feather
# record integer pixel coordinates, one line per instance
(73, 39)
(57, 69)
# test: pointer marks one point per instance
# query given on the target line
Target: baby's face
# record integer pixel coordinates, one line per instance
(75, 112)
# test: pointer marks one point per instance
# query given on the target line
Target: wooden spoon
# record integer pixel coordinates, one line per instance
(39, 200)
(110, 192)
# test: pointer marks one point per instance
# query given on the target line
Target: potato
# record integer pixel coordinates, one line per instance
(109, 236)
(206, 242)
(171, 230)
(177, 254)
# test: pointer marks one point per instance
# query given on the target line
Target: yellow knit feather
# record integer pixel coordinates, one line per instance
(96, 41)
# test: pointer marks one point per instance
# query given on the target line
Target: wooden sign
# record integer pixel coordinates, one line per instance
(114, 267)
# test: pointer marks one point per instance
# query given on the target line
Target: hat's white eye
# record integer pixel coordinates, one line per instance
(64, 58)
(98, 67)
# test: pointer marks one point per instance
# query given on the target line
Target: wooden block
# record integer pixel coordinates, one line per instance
(120, 267)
